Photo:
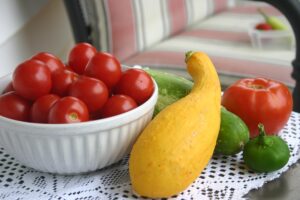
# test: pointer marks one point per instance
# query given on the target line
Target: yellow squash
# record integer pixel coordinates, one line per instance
(177, 144)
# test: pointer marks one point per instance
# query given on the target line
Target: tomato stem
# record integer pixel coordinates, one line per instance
(73, 116)
(262, 134)
(256, 87)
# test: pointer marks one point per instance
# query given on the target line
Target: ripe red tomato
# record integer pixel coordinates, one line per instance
(68, 110)
(263, 26)
(52, 62)
(117, 104)
(32, 79)
(91, 91)
(80, 55)
(40, 109)
(69, 68)
(137, 84)
(61, 81)
(9, 87)
(14, 107)
(104, 67)
(257, 101)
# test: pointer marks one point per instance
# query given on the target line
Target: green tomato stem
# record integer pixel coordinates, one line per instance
(262, 134)
(73, 116)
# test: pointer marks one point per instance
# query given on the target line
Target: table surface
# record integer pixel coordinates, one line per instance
(285, 187)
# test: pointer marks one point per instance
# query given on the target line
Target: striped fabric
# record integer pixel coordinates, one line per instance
(158, 32)
(225, 38)
(129, 26)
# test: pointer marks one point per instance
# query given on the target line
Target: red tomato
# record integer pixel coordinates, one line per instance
(61, 81)
(68, 110)
(263, 26)
(69, 68)
(104, 67)
(95, 116)
(80, 55)
(257, 101)
(117, 104)
(52, 62)
(40, 109)
(14, 107)
(9, 87)
(91, 91)
(32, 79)
(137, 84)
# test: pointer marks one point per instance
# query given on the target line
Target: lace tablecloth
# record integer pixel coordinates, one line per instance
(226, 177)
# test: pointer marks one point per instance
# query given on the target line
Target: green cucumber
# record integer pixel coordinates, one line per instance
(234, 133)
(170, 88)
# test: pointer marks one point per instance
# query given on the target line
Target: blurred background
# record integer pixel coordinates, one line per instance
(31, 26)
(28, 27)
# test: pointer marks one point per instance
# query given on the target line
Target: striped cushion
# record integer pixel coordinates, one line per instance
(127, 27)
(224, 37)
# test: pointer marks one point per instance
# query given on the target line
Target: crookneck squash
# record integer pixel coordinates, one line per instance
(177, 144)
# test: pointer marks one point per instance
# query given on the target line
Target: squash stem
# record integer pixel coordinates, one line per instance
(262, 134)
(263, 14)
(188, 55)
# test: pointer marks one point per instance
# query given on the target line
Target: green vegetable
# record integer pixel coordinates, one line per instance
(276, 23)
(266, 153)
(233, 135)
(170, 88)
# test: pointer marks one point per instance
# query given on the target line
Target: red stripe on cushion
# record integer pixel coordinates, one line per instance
(178, 15)
(123, 30)
(252, 9)
(254, 69)
(232, 66)
(220, 5)
(154, 58)
(218, 35)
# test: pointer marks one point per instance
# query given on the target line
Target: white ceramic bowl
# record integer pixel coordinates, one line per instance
(74, 148)
(272, 39)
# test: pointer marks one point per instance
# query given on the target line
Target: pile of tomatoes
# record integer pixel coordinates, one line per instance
(91, 86)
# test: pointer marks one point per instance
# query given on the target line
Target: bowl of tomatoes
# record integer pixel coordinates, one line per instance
(75, 117)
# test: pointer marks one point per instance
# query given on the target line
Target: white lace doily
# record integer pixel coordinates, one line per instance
(226, 177)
